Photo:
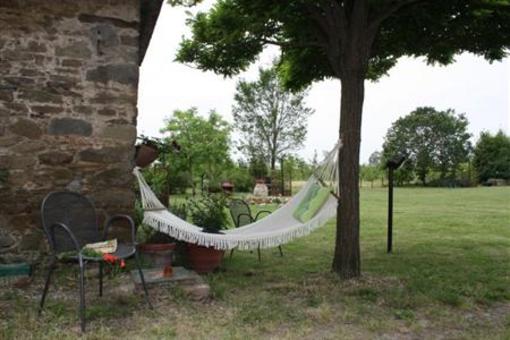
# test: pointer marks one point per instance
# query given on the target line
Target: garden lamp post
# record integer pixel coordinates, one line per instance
(392, 165)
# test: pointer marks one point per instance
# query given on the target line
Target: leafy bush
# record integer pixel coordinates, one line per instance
(492, 156)
(208, 211)
(179, 210)
(241, 178)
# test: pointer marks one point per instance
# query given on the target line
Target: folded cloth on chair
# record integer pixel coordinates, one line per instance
(104, 247)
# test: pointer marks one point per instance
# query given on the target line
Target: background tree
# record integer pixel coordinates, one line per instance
(370, 173)
(271, 120)
(205, 143)
(375, 158)
(492, 156)
(351, 40)
(432, 140)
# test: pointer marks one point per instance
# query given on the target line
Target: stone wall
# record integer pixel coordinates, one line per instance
(68, 93)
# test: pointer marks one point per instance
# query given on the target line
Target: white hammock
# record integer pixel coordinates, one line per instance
(278, 228)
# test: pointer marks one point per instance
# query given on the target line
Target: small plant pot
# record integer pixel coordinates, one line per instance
(204, 259)
(145, 155)
(157, 254)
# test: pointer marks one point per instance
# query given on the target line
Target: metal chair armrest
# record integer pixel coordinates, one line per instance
(69, 234)
(114, 218)
(262, 212)
(239, 219)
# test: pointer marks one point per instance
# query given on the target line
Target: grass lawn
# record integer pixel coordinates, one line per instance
(449, 277)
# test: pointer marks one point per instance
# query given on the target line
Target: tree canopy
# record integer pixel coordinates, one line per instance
(271, 120)
(431, 140)
(205, 143)
(313, 35)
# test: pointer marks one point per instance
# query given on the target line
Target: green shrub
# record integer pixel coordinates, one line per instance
(208, 211)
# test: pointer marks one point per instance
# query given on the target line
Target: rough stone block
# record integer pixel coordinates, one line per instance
(69, 126)
(124, 133)
(88, 18)
(116, 177)
(8, 141)
(6, 95)
(22, 162)
(55, 158)
(114, 198)
(45, 109)
(76, 49)
(26, 128)
(107, 112)
(129, 40)
(74, 63)
(40, 96)
(16, 107)
(29, 147)
(104, 155)
(126, 74)
(60, 176)
(108, 98)
(36, 47)
(104, 36)
(86, 110)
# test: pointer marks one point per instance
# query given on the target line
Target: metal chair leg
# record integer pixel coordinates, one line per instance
(82, 295)
(258, 252)
(100, 278)
(46, 286)
(231, 253)
(142, 279)
(281, 251)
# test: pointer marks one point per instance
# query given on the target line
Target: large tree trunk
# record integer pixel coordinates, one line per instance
(347, 251)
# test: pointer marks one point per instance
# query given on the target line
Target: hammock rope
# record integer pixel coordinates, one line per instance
(276, 229)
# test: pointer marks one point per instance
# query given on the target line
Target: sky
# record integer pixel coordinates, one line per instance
(471, 86)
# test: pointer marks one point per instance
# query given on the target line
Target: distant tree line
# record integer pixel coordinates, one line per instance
(439, 152)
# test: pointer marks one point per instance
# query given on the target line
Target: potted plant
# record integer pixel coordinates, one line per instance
(146, 152)
(158, 248)
(208, 212)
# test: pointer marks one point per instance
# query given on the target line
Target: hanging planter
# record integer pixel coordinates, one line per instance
(145, 154)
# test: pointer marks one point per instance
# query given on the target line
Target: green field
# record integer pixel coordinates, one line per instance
(449, 277)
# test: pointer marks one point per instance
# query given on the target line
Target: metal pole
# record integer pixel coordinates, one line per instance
(283, 179)
(390, 209)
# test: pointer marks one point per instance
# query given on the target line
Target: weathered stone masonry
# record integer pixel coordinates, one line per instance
(68, 93)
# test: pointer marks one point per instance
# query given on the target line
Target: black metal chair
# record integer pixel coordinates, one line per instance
(241, 215)
(70, 222)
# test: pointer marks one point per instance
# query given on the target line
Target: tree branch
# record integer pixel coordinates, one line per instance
(292, 45)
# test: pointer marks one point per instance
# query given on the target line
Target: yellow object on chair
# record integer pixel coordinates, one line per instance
(105, 247)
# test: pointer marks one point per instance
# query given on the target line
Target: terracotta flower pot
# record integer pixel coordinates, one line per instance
(203, 259)
(145, 155)
(158, 254)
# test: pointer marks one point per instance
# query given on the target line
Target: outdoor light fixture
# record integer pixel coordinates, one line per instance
(392, 164)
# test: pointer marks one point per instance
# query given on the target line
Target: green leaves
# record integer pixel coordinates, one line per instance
(205, 142)
(314, 36)
(271, 120)
(492, 156)
(208, 211)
